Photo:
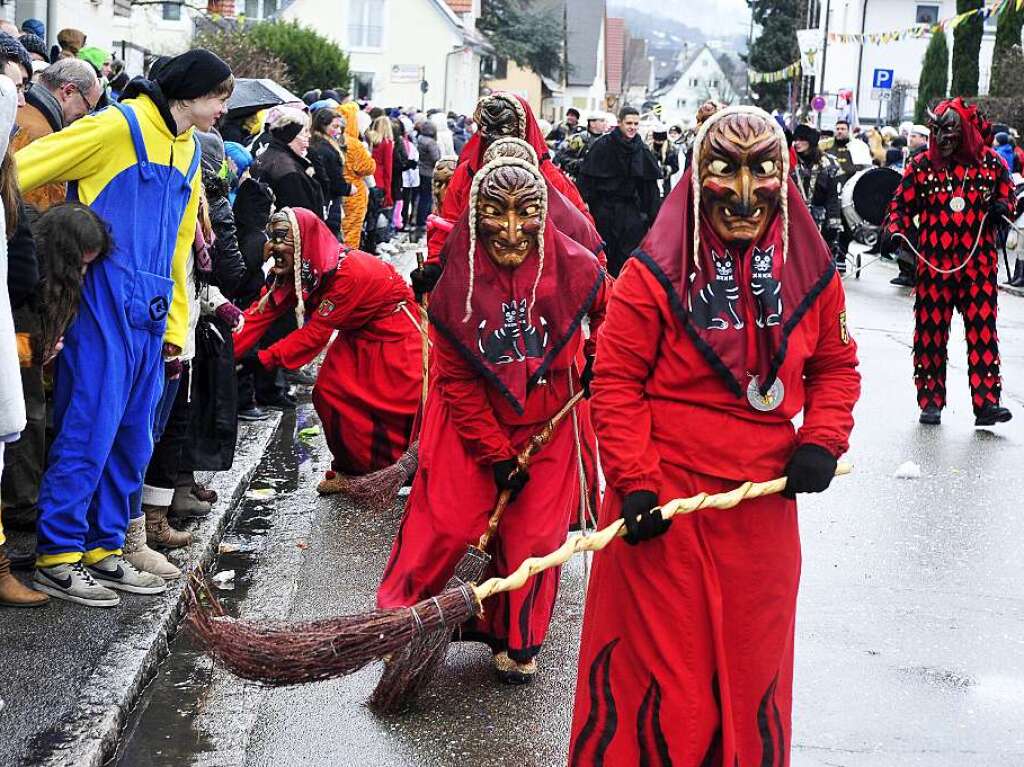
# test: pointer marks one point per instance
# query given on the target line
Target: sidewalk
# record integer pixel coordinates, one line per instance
(71, 674)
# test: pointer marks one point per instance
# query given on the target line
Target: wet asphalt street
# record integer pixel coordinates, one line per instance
(910, 648)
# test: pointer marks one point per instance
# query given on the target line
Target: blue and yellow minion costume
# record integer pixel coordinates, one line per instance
(130, 167)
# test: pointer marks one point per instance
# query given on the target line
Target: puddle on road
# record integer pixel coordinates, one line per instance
(160, 731)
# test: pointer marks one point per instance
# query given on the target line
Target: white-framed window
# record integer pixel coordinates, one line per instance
(927, 14)
(261, 9)
(172, 12)
(366, 23)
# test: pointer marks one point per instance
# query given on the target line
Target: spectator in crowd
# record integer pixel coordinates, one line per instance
(35, 46)
(284, 164)
(460, 135)
(70, 42)
(668, 160)
(429, 153)
(67, 91)
(12, 403)
(106, 391)
(619, 182)
(572, 154)
(411, 175)
(329, 161)
(569, 127)
(1004, 148)
(382, 143)
(816, 177)
(358, 165)
(63, 96)
(400, 163)
(98, 58)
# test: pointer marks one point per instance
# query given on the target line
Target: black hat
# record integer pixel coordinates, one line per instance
(193, 74)
(573, 111)
(807, 133)
(12, 50)
(34, 44)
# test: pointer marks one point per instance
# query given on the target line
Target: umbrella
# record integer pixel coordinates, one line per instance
(251, 95)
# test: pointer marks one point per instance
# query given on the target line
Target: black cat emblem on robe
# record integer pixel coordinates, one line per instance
(718, 297)
(766, 289)
(516, 339)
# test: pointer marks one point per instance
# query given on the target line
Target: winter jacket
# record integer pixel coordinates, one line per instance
(252, 212)
(12, 400)
(400, 163)
(22, 264)
(291, 177)
(329, 162)
(40, 117)
(384, 155)
(1005, 152)
(411, 177)
(428, 150)
(228, 267)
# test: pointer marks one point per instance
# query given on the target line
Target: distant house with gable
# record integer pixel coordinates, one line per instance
(700, 77)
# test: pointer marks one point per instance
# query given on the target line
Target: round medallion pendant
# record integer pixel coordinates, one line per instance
(767, 402)
(957, 204)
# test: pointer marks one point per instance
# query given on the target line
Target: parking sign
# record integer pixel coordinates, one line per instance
(883, 79)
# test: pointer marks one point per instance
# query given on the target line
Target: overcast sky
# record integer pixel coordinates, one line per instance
(707, 15)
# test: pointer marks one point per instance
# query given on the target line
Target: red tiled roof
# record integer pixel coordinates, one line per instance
(461, 6)
(614, 54)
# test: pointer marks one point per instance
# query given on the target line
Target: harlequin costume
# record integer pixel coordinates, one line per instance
(505, 340)
(687, 647)
(368, 388)
(358, 164)
(456, 197)
(940, 206)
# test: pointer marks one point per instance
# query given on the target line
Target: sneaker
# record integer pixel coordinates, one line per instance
(990, 415)
(118, 573)
(253, 414)
(74, 583)
(931, 416)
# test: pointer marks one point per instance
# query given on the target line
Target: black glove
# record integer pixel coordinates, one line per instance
(997, 211)
(507, 478)
(643, 521)
(587, 375)
(810, 470)
(423, 280)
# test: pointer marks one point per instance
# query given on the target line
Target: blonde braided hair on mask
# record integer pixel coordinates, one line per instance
(509, 146)
(509, 99)
(696, 180)
(474, 194)
(300, 304)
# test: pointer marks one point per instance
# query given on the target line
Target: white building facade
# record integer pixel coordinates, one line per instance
(394, 45)
(700, 78)
(844, 61)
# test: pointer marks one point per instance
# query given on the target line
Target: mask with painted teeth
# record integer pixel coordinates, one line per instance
(509, 214)
(740, 175)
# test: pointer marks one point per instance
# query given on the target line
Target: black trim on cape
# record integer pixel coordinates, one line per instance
(679, 310)
(474, 359)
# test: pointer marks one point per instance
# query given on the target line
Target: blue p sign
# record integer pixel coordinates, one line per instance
(883, 79)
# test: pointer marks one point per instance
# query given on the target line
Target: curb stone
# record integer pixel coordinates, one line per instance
(89, 736)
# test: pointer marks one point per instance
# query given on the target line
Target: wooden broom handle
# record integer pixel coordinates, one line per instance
(537, 441)
(425, 340)
(602, 538)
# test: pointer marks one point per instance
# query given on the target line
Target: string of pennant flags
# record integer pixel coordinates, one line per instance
(917, 31)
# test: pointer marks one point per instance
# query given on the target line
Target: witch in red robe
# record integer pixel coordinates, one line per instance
(499, 114)
(729, 321)
(368, 389)
(506, 317)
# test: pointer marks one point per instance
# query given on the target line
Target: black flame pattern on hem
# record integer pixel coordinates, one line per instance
(603, 712)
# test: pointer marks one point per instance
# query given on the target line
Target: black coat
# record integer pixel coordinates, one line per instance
(228, 266)
(253, 204)
(22, 264)
(619, 182)
(330, 173)
(292, 178)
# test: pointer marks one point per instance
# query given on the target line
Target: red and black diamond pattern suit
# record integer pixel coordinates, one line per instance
(921, 211)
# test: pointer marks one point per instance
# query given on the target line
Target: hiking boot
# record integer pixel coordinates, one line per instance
(74, 583)
(13, 593)
(144, 558)
(902, 281)
(511, 672)
(160, 533)
(331, 483)
(280, 402)
(185, 504)
(118, 573)
(931, 416)
(253, 414)
(991, 414)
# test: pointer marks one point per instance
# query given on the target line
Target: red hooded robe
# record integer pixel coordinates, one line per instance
(368, 389)
(687, 645)
(497, 379)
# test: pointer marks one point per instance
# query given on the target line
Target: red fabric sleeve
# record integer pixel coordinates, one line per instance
(597, 314)
(465, 393)
(384, 156)
(564, 184)
(903, 206)
(831, 380)
(627, 349)
(257, 323)
(298, 347)
(456, 199)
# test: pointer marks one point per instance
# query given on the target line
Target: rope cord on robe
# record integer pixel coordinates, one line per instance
(603, 538)
(954, 270)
